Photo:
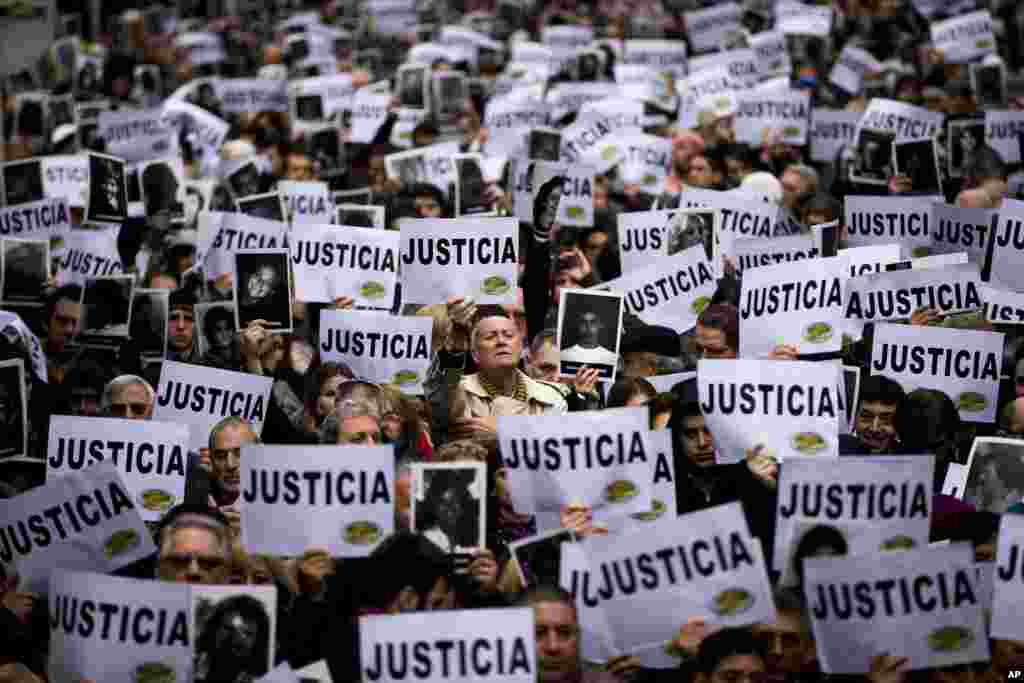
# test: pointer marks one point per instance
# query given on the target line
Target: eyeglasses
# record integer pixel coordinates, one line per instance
(220, 456)
(181, 562)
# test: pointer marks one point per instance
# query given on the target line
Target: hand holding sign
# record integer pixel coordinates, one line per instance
(886, 668)
(764, 466)
(784, 352)
(312, 570)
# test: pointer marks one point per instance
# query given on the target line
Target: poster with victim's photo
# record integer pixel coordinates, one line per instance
(413, 86)
(215, 329)
(60, 110)
(995, 474)
(873, 159)
(148, 325)
(988, 81)
(360, 216)
(23, 182)
(24, 270)
(470, 187)
(449, 92)
(30, 115)
(234, 632)
(268, 206)
(262, 289)
(106, 309)
(690, 227)
(449, 505)
(963, 138)
(538, 559)
(589, 330)
(247, 180)
(162, 188)
(544, 144)
(919, 161)
(107, 199)
(13, 409)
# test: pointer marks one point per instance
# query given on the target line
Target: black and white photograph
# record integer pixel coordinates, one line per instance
(988, 81)
(60, 111)
(448, 89)
(589, 330)
(407, 168)
(148, 85)
(88, 75)
(324, 147)
(24, 270)
(106, 306)
(588, 65)
(413, 86)
(148, 326)
(470, 187)
(851, 387)
(215, 331)
(23, 182)
(538, 559)
(261, 289)
(30, 114)
(873, 162)
(107, 199)
(688, 228)
(247, 180)
(964, 137)
(13, 409)
(918, 160)
(234, 636)
(308, 108)
(267, 206)
(362, 195)
(359, 216)
(995, 474)
(161, 189)
(449, 505)
(544, 144)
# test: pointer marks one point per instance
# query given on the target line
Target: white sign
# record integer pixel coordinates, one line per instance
(1007, 260)
(1002, 129)
(897, 294)
(252, 95)
(65, 176)
(785, 110)
(431, 164)
(707, 27)
(871, 259)
(228, 233)
(595, 142)
(642, 235)
(150, 456)
(771, 52)
(306, 202)
(905, 120)
(85, 520)
(369, 112)
(1001, 306)
(741, 65)
(509, 119)
(85, 254)
(850, 68)
(884, 220)
(956, 230)
(459, 257)
(648, 159)
(965, 38)
(496, 645)
(45, 218)
(923, 604)
(787, 407)
(1008, 589)
(201, 396)
(796, 18)
(831, 129)
(381, 348)
(658, 55)
(338, 498)
(576, 205)
(714, 86)
(330, 262)
(965, 364)
(758, 252)
(136, 135)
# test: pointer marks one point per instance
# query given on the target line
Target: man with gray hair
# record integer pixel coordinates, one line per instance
(356, 418)
(195, 546)
(127, 396)
(799, 182)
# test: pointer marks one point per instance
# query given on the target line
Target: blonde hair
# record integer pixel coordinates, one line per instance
(442, 323)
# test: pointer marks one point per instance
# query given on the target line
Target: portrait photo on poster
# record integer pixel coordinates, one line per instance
(538, 559)
(107, 196)
(13, 409)
(30, 115)
(148, 326)
(106, 307)
(919, 161)
(23, 182)
(589, 329)
(362, 195)
(267, 206)
(324, 148)
(470, 187)
(261, 289)
(360, 216)
(995, 474)
(964, 137)
(408, 168)
(413, 86)
(449, 505)
(988, 81)
(162, 189)
(246, 181)
(873, 159)
(215, 330)
(449, 93)
(308, 108)
(233, 638)
(544, 144)
(689, 227)
(24, 271)
(60, 111)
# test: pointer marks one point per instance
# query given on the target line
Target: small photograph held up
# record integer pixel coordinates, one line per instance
(360, 216)
(589, 330)
(261, 289)
(108, 196)
(234, 632)
(148, 326)
(544, 144)
(23, 182)
(24, 270)
(13, 409)
(919, 161)
(988, 81)
(449, 503)
(873, 164)
(964, 137)
(538, 559)
(470, 187)
(106, 307)
(413, 82)
(995, 474)
(246, 181)
(267, 206)
(215, 329)
(690, 227)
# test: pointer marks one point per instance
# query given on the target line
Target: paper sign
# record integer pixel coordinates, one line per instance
(665, 383)
(868, 260)
(85, 254)
(896, 295)
(449, 257)
(962, 230)
(252, 95)
(906, 121)
(227, 233)
(1006, 265)
(431, 164)
(830, 130)
(788, 407)
(381, 348)
(32, 220)
(339, 498)
(956, 479)
(136, 135)
(1008, 577)
(647, 162)
(508, 120)
(758, 252)
(66, 176)
(796, 18)
(965, 364)
(598, 459)
(576, 205)
(201, 396)
(1002, 306)
(849, 70)
(1002, 131)
(595, 142)
(306, 202)
(884, 220)
(714, 85)
(785, 110)
(205, 130)
(964, 38)
(85, 520)
(330, 262)
(707, 27)
(922, 603)
(496, 644)
(369, 112)
(151, 457)
(771, 52)
(741, 65)
(797, 306)
(335, 91)
(658, 55)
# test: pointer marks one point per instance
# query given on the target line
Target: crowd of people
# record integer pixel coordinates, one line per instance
(488, 361)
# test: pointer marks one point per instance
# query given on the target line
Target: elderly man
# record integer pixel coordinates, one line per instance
(128, 396)
(195, 546)
(798, 182)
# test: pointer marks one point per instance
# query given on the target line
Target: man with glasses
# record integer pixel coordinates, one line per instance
(129, 397)
(195, 546)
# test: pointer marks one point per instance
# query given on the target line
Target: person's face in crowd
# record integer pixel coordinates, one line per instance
(681, 155)
(67, 316)
(299, 167)
(328, 392)
(1015, 423)
(597, 243)
(184, 261)
(785, 643)
(697, 440)
(550, 210)
(226, 456)
(734, 669)
(544, 364)
(262, 283)
(792, 187)
(469, 123)
(427, 206)
(423, 137)
(85, 402)
(639, 364)
(712, 343)
(377, 171)
(600, 195)
(737, 169)
(661, 420)
(130, 401)
(558, 651)
(637, 400)
(449, 510)
(498, 344)
(725, 129)
(590, 330)
(159, 281)
(180, 327)
(235, 636)
(223, 335)
(363, 430)
(193, 555)
(876, 425)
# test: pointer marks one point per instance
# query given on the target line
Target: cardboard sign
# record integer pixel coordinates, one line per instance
(647, 162)
(801, 307)
(228, 233)
(906, 121)
(784, 110)
(369, 112)
(707, 27)
(203, 130)
(150, 456)
(252, 95)
(479, 645)
(1002, 306)
(598, 459)
(36, 220)
(1008, 580)
(85, 520)
(200, 397)
(329, 262)
(1006, 264)
(658, 55)
(595, 142)
(136, 135)
(1002, 131)
(339, 498)
(787, 407)
(85, 254)
(922, 603)
(896, 295)
(381, 348)
(830, 130)
(113, 628)
(884, 220)
(448, 257)
(796, 18)
(965, 364)
(849, 70)
(957, 230)
(306, 202)
(965, 38)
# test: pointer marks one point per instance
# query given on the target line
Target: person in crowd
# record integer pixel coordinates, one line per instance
(128, 396)
(194, 546)
(222, 342)
(875, 422)
(357, 416)
(321, 394)
(225, 465)
(63, 319)
(717, 332)
(181, 341)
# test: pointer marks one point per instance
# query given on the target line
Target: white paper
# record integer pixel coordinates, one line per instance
(850, 68)
(85, 254)
(36, 220)
(509, 119)
(964, 38)
(830, 130)
(227, 233)
(1008, 577)
(369, 112)
(381, 348)
(595, 142)
(1002, 306)
(1007, 261)
(1001, 131)
(431, 164)
(330, 262)
(758, 252)
(252, 95)
(136, 135)
(707, 27)
(958, 230)
(772, 55)
(897, 294)
(306, 202)
(905, 120)
(713, 83)
(884, 220)
(869, 259)
(65, 176)
(659, 55)
(647, 163)
(576, 205)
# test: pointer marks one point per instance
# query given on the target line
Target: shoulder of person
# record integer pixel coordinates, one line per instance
(546, 392)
